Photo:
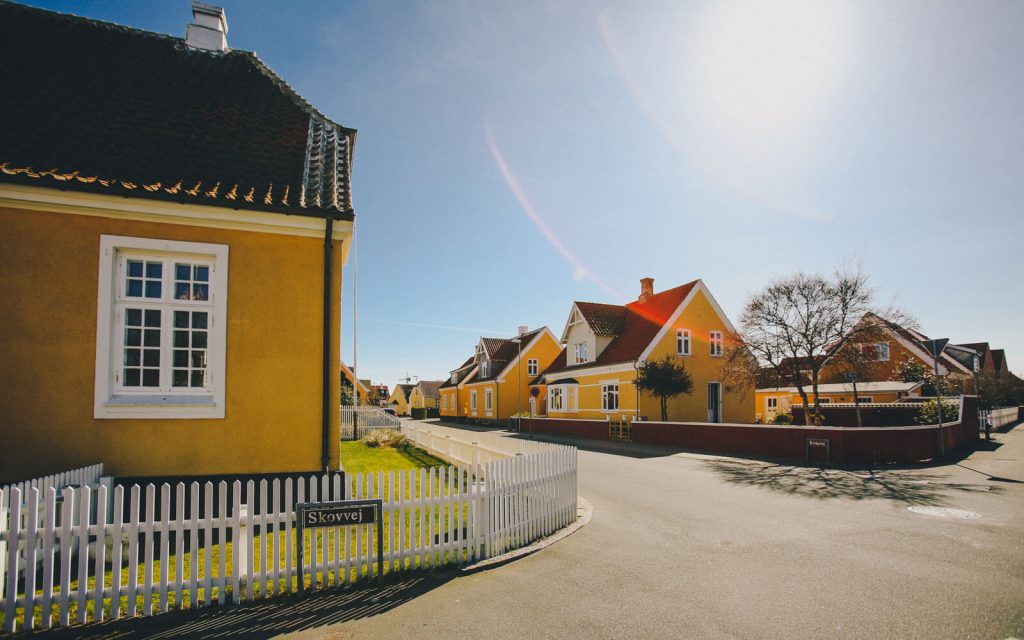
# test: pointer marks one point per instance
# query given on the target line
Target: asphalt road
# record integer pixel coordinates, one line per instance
(686, 546)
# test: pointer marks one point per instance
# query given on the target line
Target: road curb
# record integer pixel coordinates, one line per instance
(584, 513)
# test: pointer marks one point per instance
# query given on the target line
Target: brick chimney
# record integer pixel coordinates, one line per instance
(210, 28)
(646, 289)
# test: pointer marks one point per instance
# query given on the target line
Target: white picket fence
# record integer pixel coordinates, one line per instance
(367, 419)
(100, 562)
(997, 417)
(79, 477)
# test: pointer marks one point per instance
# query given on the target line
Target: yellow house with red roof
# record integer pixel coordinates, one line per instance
(594, 376)
(494, 384)
(425, 395)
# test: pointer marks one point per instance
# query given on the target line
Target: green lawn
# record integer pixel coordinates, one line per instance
(356, 458)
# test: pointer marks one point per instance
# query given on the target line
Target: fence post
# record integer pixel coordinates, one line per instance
(240, 550)
(449, 446)
(108, 482)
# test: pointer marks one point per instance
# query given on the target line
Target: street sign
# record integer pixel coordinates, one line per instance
(327, 514)
(341, 513)
(818, 444)
(935, 347)
(853, 376)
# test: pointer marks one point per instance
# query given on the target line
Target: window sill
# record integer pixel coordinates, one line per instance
(158, 406)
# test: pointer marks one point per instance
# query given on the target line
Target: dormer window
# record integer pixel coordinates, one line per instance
(485, 368)
(581, 352)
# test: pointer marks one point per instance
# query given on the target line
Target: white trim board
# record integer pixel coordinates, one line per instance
(137, 209)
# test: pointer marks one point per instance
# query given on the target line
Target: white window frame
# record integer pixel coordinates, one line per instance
(715, 340)
(865, 400)
(684, 342)
(532, 367)
(771, 403)
(488, 401)
(882, 351)
(111, 400)
(555, 399)
(608, 391)
(472, 401)
(580, 351)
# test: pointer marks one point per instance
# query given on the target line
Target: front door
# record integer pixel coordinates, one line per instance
(714, 402)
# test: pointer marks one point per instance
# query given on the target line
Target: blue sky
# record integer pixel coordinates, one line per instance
(516, 156)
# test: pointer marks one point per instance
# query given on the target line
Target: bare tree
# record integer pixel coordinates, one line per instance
(797, 322)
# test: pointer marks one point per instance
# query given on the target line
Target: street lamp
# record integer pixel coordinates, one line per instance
(519, 392)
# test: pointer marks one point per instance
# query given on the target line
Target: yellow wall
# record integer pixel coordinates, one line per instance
(402, 403)
(450, 406)
(48, 281)
(787, 400)
(418, 401)
(700, 318)
(512, 392)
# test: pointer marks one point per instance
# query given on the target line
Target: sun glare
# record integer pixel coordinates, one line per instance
(764, 69)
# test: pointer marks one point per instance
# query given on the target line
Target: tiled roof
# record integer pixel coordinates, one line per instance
(998, 360)
(604, 319)
(466, 366)
(641, 323)
(97, 107)
(406, 389)
(491, 345)
(429, 387)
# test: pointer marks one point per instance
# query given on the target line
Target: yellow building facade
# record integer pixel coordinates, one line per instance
(269, 416)
(595, 375)
(494, 384)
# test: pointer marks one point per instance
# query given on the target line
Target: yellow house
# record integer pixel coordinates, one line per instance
(399, 399)
(425, 395)
(594, 377)
(452, 394)
(498, 376)
(169, 255)
(772, 401)
(361, 387)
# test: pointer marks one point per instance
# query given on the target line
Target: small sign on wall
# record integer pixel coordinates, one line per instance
(342, 513)
(819, 448)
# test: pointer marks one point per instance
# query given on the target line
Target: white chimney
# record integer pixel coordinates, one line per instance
(646, 289)
(523, 329)
(210, 29)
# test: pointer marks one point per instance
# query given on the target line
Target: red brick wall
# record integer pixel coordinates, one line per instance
(847, 445)
(590, 429)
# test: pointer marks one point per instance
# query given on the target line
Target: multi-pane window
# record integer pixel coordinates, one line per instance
(683, 342)
(472, 400)
(716, 343)
(555, 399)
(164, 336)
(609, 397)
(882, 349)
(488, 400)
(161, 323)
(581, 352)
(531, 367)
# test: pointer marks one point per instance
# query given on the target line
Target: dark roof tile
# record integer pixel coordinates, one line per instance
(110, 109)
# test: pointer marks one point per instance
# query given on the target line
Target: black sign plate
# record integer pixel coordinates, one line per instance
(328, 514)
(816, 442)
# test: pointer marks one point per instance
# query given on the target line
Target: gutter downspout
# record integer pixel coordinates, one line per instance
(325, 457)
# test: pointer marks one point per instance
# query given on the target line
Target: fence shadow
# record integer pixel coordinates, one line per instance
(262, 618)
(907, 486)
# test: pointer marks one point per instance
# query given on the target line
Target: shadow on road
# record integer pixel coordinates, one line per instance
(261, 619)
(910, 487)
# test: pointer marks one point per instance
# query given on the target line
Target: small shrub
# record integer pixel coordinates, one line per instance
(928, 413)
(783, 418)
(384, 438)
(418, 413)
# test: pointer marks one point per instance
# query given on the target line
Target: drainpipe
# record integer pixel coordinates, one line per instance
(325, 458)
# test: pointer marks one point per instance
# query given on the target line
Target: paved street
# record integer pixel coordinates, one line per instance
(688, 546)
